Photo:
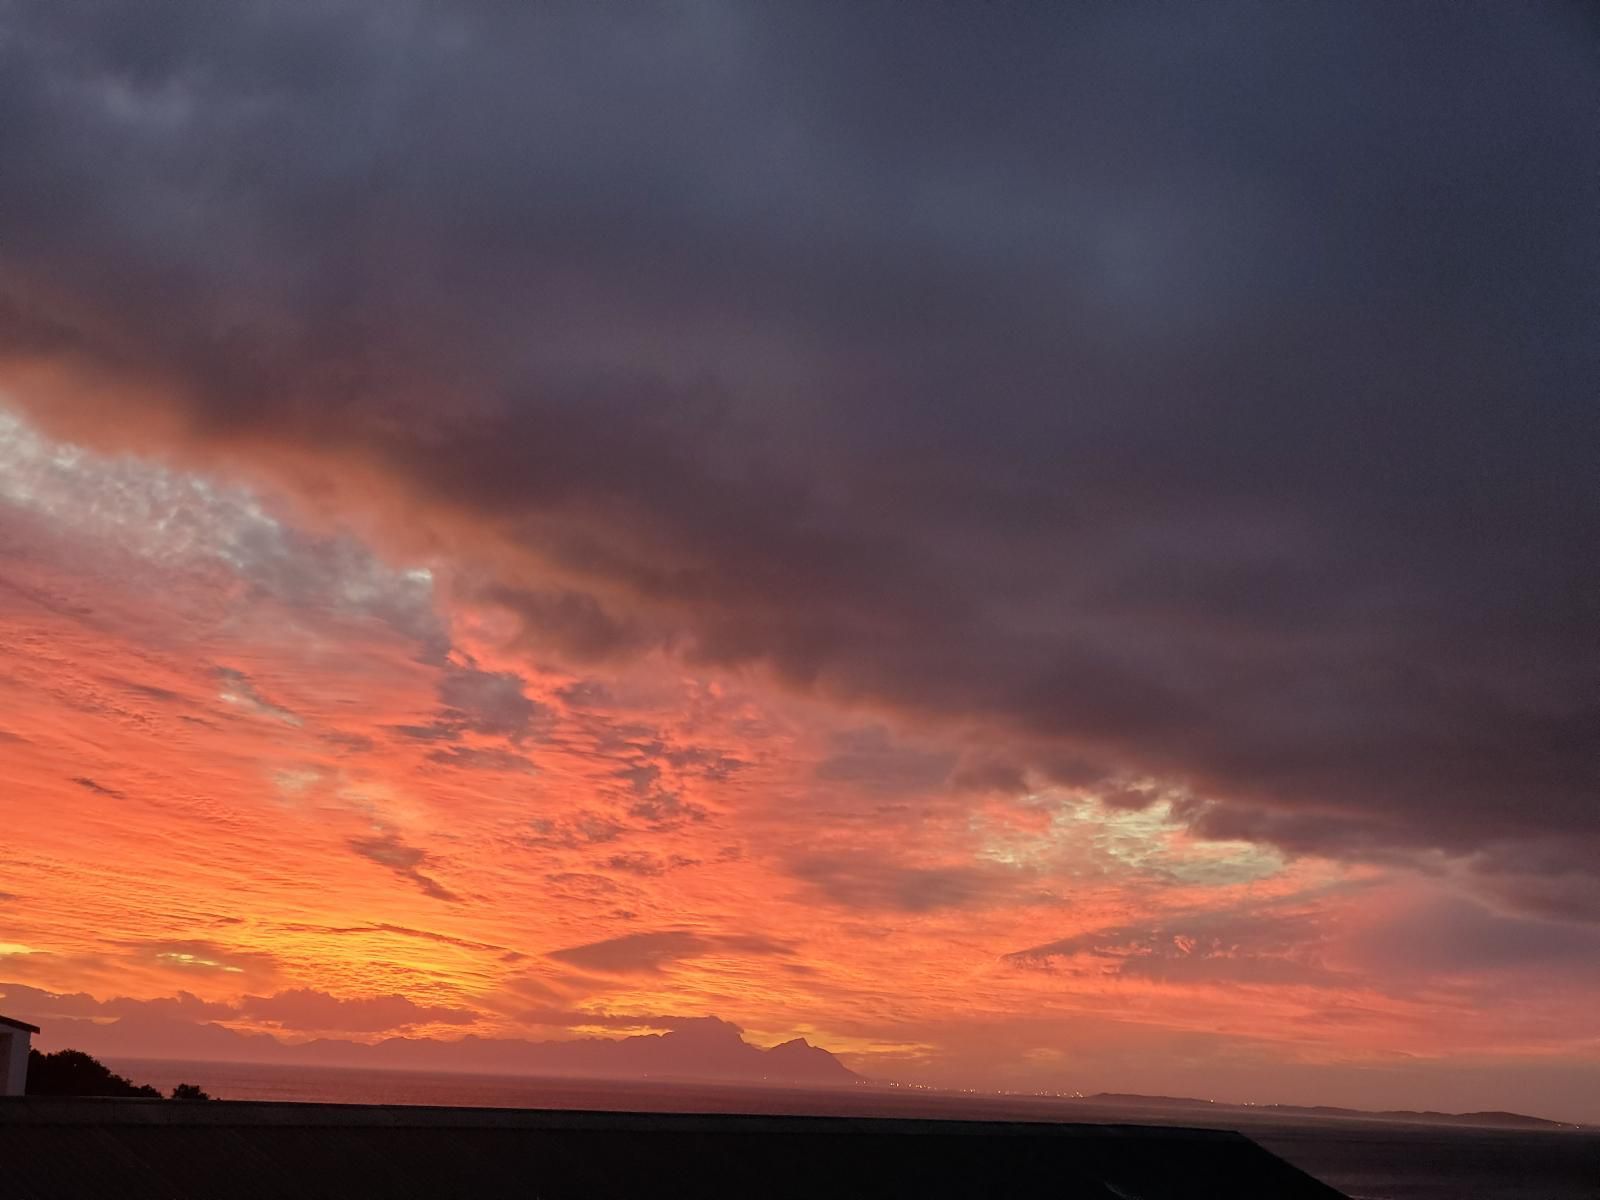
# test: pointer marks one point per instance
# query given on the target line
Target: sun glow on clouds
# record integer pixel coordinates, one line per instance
(260, 767)
(1146, 840)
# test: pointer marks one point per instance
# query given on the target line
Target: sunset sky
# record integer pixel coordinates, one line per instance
(1036, 547)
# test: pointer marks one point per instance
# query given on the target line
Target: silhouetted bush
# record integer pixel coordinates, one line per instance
(74, 1073)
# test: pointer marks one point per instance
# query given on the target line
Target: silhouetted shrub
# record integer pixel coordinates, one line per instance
(74, 1073)
(188, 1091)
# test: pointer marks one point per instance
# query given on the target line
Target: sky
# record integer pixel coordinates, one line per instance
(1036, 547)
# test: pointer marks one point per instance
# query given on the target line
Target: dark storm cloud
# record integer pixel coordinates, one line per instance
(1198, 391)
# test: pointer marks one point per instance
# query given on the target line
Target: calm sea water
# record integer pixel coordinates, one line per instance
(1366, 1159)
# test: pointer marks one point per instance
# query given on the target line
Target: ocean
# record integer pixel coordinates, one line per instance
(1367, 1159)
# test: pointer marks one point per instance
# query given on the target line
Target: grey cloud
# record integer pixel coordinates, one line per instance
(390, 850)
(661, 810)
(583, 829)
(22, 998)
(639, 862)
(149, 691)
(427, 935)
(858, 879)
(1442, 938)
(643, 762)
(648, 953)
(1547, 875)
(358, 743)
(575, 620)
(869, 758)
(185, 1006)
(439, 731)
(1219, 947)
(646, 799)
(641, 777)
(572, 1018)
(477, 758)
(296, 1008)
(587, 695)
(100, 789)
(241, 691)
(989, 775)
(490, 703)
(309, 1009)
(1449, 936)
(1193, 391)
(581, 885)
(704, 761)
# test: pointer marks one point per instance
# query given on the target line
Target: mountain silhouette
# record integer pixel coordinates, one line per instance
(799, 1060)
(696, 1048)
(1425, 1116)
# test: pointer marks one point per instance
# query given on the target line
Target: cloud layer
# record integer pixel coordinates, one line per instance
(1198, 395)
(812, 519)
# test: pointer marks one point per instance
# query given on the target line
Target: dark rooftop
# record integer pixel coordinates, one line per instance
(57, 1148)
(14, 1024)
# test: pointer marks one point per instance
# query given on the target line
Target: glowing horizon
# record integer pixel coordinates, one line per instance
(264, 779)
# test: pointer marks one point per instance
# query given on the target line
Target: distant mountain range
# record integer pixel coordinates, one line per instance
(704, 1048)
(1518, 1120)
(701, 1048)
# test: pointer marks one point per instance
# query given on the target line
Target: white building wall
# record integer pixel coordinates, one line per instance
(13, 1061)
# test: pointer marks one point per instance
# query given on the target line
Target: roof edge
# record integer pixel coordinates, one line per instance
(110, 1111)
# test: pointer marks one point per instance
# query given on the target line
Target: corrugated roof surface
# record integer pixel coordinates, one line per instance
(54, 1149)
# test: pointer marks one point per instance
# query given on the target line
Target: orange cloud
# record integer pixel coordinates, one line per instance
(259, 779)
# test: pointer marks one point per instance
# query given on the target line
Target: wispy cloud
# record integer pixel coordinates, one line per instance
(650, 952)
(388, 849)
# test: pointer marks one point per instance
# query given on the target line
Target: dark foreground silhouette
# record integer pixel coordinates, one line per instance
(245, 1150)
(74, 1073)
